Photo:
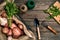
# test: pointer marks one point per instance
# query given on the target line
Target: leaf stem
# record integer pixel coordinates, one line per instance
(9, 21)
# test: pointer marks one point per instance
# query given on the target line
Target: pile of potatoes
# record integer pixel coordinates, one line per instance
(16, 29)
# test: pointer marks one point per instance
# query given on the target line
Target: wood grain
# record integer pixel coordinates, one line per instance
(29, 16)
(38, 12)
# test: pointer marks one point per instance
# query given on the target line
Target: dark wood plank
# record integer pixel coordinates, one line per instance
(30, 15)
(54, 25)
(33, 14)
(40, 4)
(37, 12)
(48, 20)
(50, 36)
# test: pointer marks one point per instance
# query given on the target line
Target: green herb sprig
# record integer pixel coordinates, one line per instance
(11, 9)
(54, 10)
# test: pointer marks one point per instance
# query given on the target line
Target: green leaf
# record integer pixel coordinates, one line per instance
(11, 9)
(54, 10)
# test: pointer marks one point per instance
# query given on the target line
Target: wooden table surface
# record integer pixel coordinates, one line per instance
(38, 12)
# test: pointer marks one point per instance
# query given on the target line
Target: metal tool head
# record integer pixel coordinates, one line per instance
(44, 23)
(36, 21)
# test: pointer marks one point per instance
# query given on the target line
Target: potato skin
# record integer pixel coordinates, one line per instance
(9, 32)
(16, 32)
(20, 26)
(13, 25)
(5, 30)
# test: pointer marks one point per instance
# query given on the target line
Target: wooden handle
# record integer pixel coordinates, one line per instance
(38, 31)
(52, 30)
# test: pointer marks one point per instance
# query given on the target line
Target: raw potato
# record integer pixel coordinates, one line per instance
(13, 25)
(20, 26)
(5, 30)
(6, 25)
(9, 33)
(16, 32)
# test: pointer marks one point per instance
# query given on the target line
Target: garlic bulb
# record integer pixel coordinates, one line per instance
(3, 21)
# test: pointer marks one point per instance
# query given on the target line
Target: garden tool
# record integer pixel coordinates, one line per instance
(37, 28)
(49, 27)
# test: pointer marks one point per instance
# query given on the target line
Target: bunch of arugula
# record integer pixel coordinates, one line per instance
(11, 9)
(54, 10)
